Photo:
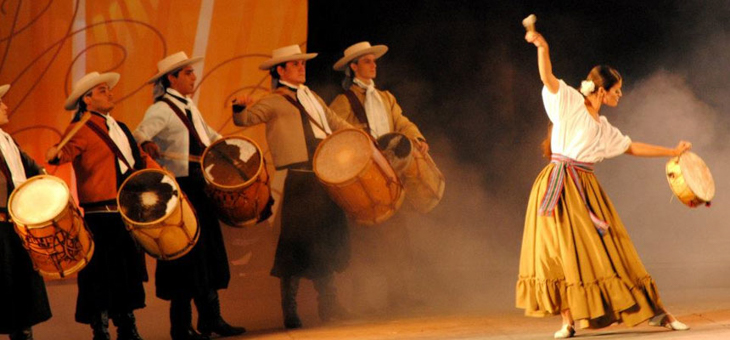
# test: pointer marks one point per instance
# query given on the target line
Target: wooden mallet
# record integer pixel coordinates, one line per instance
(529, 23)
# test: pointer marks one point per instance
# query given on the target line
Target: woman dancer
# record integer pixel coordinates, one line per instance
(577, 258)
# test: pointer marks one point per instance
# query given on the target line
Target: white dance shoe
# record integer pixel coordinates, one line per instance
(662, 320)
(567, 331)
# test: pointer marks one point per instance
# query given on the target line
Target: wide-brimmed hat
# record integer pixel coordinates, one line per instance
(172, 63)
(87, 83)
(284, 54)
(358, 50)
(4, 89)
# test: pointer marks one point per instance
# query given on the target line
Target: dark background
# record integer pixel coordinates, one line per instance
(463, 73)
(462, 70)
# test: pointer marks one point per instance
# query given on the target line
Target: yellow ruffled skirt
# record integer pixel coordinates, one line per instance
(566, 264)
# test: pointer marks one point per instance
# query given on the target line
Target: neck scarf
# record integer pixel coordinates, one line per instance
(194, 118)
(314, 109)
(12, 158)
(120, 139)
(374, 109)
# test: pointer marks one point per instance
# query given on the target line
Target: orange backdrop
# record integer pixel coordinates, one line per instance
(46, 45)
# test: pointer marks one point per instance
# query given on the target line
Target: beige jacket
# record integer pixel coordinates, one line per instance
(397, 121)
(284, 131)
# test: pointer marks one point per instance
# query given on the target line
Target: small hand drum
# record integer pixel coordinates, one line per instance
(690, 179)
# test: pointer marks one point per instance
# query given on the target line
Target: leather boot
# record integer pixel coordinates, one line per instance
(24, 334)
(328, 307)
(209, 317)
(100, 326)
(289, 288)
(126, 326)
(181, 319)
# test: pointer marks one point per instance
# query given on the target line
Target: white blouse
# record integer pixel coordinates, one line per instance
(576, 134)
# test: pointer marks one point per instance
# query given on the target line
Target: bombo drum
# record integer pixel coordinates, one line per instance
(157, 214)
(237, 180)
(690, 179)
(50, 226)
(357, 176)
(422, 180)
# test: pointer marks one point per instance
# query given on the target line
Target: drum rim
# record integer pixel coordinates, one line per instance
(262, 163)
(414, 149)
(359, 172)
(157, 221)
(24, 223)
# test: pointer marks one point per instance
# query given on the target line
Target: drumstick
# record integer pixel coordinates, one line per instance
(180, 157)
(529, 22)
(74, 130)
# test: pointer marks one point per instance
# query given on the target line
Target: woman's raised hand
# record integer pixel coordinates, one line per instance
(535, 38)
(682, 146)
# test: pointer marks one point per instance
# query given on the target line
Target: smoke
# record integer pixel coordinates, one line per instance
(471, 85)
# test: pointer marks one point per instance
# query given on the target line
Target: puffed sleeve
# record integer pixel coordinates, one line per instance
(613, 141)
(563, 104)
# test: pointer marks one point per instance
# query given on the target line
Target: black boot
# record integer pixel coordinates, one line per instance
(209, 317)
(289, 288)
(25, 334)
(126, 326)
(328, 307)
(181, 319)
(100, 326)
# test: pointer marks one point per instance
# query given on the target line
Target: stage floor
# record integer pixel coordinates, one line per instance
(706, 311)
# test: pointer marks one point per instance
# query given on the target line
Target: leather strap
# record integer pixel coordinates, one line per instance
(109, 142)
(309, 138)
(186, 121)
(357, 108)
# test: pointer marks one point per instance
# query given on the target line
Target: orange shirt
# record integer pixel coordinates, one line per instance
(94, 163)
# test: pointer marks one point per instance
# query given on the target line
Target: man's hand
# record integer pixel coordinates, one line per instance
(53, 153)
(241, 102)
(151, 149)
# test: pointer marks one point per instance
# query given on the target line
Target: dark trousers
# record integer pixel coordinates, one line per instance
(23, 299)
(113, 280)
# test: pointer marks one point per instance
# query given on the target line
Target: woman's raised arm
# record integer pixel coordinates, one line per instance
(543, 61)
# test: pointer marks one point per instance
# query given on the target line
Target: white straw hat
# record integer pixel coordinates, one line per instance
(284, 54)
(87, 83)
(4, 89)
(358, 50)
(173, 62)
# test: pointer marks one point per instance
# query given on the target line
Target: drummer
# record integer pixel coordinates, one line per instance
(103, 154)
(314, 242)
(25, 302)
(382, 247)
(173, 125)
(362, 104)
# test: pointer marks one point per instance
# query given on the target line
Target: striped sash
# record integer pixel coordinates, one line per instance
(565, 165)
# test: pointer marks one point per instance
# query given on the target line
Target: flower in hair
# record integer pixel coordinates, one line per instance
(587, 87)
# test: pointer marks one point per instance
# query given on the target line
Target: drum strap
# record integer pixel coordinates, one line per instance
(109, 142)
(357, 108)
(312, 142)
(556, 183)
(199, 146)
